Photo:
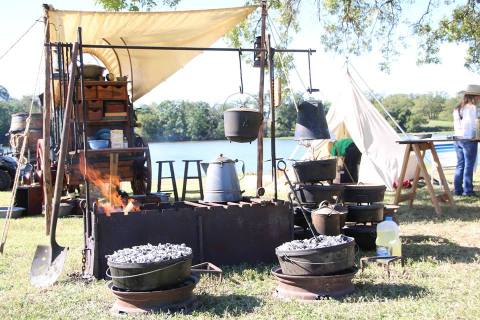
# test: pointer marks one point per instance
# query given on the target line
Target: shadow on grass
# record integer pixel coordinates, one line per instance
(466, 209)
(233, 304)
(441, 249)
(381, 291)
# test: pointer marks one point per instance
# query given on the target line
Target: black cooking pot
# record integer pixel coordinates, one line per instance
(242, 124)
(150, 276)
(312, 171)
(317, 193)
(363, 193)
(365, 213)
(364, 235)
(319, 261)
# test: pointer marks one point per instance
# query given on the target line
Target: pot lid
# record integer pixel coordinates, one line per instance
(222, 159)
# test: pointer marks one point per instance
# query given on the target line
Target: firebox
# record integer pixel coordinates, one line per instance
(224, 234)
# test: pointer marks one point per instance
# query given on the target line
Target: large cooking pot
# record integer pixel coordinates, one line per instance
(364, 193)
(316, 193)
(319, 261)
(150, 276)
(222, 183)
(242, 124)
(312, 171)
(365, 213)
(327, 220)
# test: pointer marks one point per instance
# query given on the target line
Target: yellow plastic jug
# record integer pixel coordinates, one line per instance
(388, 238)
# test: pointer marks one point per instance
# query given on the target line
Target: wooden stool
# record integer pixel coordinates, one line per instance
(186, 178)
(172, 177)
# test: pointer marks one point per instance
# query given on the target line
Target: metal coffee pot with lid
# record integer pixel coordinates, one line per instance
(222, 183)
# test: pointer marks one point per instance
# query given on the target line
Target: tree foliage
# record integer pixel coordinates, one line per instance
(356, 26)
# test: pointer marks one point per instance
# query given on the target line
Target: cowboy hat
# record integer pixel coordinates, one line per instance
(472, 89)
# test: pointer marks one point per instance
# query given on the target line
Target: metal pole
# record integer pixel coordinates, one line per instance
(46, 163)
(84, 136)
(271, 52)
(260, 98)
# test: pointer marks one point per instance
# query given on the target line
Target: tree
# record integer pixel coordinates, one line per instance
(400, 106)
(429, 105)
(354, 27)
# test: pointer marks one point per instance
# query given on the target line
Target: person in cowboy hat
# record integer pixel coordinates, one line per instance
(464, 124)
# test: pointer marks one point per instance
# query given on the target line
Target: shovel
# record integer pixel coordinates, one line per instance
(48, 261)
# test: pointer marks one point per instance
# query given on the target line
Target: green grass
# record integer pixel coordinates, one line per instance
(441, 280)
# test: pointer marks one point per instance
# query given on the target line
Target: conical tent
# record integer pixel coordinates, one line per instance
(353, 115)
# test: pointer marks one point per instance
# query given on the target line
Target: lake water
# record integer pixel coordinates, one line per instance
(209, 150)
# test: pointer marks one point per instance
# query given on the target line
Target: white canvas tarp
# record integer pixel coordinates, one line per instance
(352, 114)
(146, 68)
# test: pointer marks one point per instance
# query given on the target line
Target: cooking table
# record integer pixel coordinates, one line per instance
(419, 147)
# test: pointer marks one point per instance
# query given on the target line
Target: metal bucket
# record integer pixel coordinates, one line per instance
(318, 261)
(18, 122)
(150, 276)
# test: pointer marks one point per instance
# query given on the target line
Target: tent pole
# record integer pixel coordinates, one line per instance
(46, 163)
(260, 98)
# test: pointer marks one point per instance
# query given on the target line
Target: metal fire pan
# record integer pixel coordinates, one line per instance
(150, 301)
(313, 287)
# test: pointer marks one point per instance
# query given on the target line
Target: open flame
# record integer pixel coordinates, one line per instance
(108, 185)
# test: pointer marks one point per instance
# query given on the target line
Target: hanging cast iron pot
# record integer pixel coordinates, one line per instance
(311, 121)
(243, 121)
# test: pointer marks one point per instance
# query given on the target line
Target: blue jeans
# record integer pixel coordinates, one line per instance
(466, 157)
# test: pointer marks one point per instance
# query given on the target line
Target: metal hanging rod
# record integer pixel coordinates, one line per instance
(135, 47)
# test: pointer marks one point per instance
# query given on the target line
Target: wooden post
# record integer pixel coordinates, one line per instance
(47, 101)
(260, 97)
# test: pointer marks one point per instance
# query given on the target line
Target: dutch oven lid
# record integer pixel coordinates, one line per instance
(222, 159)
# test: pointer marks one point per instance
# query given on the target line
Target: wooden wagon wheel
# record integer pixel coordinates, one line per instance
(142, 177)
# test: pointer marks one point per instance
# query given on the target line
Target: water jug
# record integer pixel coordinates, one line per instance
(388, 238)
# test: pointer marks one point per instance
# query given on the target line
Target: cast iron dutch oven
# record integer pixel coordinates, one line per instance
(318, 261)
(364, 235)
(365, 213)
(316, 193)
(312, 171)
(150, 276)
(363, 193)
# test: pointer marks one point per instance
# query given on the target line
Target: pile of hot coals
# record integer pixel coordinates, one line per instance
(320, 241)
(149, 253)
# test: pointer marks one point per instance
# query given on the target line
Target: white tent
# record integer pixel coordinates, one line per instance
(353, 115)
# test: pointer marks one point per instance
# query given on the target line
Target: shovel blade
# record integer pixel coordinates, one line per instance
(47, 265)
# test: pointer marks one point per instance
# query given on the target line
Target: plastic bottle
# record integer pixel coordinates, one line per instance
(388, 238)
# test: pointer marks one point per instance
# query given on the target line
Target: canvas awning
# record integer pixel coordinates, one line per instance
(147, 68)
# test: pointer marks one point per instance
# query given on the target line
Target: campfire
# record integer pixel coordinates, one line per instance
(114, 200)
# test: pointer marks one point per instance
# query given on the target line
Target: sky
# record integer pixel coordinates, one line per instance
(214, 76)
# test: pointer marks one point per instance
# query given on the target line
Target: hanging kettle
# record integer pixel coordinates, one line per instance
(311, 121)
(243, 121)
(222, 183)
